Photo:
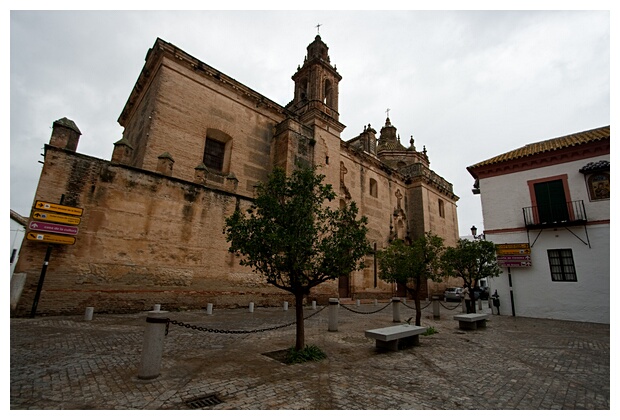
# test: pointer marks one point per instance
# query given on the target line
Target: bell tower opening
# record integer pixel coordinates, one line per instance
(316, 82)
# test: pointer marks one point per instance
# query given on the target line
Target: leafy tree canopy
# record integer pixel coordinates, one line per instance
(406, 264)
(410, 265)
(292, 238)
(471, 261)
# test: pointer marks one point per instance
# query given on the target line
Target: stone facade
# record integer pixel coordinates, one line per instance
(195, 144)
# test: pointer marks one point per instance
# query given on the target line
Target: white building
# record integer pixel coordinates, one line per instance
(553, 195)
(18, 230)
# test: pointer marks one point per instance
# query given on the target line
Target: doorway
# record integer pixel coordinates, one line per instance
(343, 286)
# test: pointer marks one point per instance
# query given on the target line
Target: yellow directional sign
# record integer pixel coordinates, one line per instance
(513, 246)
(514, 251)
(50, 238)
(58, 208)
(58, 218)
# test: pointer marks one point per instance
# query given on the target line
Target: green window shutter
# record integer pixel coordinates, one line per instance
(551, 201)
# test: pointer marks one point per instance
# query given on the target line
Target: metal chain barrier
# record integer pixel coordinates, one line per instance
(413, 307)
(169, 321)
(450, 309)
(365, 313)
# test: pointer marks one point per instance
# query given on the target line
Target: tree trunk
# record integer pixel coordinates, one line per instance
(473, 298)
(416, 299)
(299, 318)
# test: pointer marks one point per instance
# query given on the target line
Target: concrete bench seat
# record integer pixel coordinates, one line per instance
(396, 337)
(472, 321)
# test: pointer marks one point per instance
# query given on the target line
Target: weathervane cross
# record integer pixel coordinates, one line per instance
(317, 28)
(387, 111)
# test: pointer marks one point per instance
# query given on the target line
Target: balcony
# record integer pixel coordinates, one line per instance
(573, 213)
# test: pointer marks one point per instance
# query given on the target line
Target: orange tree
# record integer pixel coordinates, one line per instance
(410, 265)
(471, 261)
(291, 237)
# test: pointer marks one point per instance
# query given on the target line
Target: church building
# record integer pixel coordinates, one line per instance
(195, 144)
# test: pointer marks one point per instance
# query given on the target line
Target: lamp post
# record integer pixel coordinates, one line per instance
(474, 230)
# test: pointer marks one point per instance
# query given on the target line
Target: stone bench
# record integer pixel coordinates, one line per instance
(396, 337)
(471, 321)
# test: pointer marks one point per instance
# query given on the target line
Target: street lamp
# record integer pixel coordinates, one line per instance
(474, 230)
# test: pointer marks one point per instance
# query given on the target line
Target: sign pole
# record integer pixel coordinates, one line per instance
(41, 279)
(512, 301)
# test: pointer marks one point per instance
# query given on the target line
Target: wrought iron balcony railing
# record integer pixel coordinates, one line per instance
(571, 213)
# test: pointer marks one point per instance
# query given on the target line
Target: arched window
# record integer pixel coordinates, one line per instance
(303, 89)
(373, 188)
(328, 93)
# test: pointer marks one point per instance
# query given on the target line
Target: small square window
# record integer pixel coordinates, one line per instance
(562, 265)
(214, 154)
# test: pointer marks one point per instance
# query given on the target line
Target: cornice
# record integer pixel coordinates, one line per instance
(554, 157)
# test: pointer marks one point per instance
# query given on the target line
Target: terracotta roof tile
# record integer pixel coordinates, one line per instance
(549, 145)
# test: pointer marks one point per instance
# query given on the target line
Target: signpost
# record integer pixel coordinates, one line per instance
(513, 255)
(51, 238)
(53, 228)
(58, 208)
(62, 232)
(59, 218)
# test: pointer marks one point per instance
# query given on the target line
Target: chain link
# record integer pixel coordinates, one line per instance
(218, 331)
(365, 313)
(413, 307)
(450, 309)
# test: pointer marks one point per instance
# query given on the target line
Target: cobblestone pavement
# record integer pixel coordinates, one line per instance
(64, 362)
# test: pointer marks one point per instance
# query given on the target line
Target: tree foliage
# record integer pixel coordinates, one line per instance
(471, 261)
(294, 240)
(410, 265)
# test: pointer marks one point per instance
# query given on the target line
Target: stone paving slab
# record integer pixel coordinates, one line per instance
(64, 362)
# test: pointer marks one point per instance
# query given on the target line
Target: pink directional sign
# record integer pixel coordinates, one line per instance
(515, 263)
(514, 258)
(53, 228)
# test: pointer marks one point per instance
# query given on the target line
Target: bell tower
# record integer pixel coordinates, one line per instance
(316, 87)
(311, 134)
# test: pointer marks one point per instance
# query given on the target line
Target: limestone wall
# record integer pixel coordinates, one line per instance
(144, 238)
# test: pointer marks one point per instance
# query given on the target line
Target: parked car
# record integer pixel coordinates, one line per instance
(453, 294)
(484, 293)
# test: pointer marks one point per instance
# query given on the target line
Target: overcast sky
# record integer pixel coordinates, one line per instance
(468, 85)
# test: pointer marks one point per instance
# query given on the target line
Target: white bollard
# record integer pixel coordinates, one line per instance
(314, 305)
(332, 324)
(375, 302)
(209, 309)
(436, 314)
(88, 314)
(480, 304)
(153, 345)
(251, 306)
(357, 302)
(285, 306)
(405, 300)
(157, 307)
(396, 309)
